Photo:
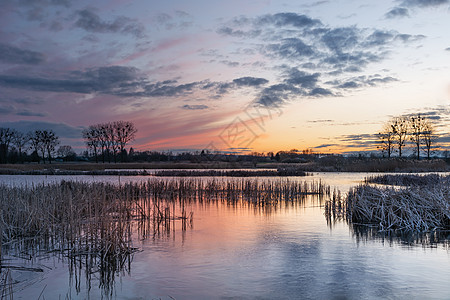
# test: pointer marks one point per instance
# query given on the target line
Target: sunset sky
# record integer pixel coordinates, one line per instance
(225, 75)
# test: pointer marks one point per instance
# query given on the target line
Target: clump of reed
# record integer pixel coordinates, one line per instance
(406, 179)
(232, 173)
(417, 209)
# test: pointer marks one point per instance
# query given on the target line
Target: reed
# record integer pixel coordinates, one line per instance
(92, 224)
(414, 208)
(406, 179)
(233, 173)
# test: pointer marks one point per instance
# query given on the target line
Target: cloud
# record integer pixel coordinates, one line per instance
(397, 12)
(12, 110)
(447, 49)
(28, 113)
(321, 121)
(291, 48)
(288, 19)
(61, 129)
(90, 21)
(301, 78)
(424, 3)
(13, 55)
(181, 20)
(325, 146)
(250, 81)
(122, 81)
(362, 81)
(108, 80)
(195, 107)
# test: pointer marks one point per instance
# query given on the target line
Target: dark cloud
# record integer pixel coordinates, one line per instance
(409, 38)
(325, 146)
(288, 19)
(424, 3)
(61, 129)
(292, 48)
(379, 38)
(238, 33)
(11, 110)
(13, 55)
(160, 89)
(341, 39)
(250, 81)
(28, 113)
(230, 63)
(107, 80)
(447, 49)
(90, 21)
(397, 12)
(362, 81)
(319, 92)
(195, 107)
(303, 79)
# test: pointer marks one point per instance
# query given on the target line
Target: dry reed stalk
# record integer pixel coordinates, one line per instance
(412, 209)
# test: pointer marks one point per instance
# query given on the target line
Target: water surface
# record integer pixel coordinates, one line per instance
(246, 252)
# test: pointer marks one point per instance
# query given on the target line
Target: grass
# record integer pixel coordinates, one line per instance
(423, 205)
(405, 179)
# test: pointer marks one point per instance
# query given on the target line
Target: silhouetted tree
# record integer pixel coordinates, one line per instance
(92, 139)
(417, 126)
(400, 129)
(49, 142)
(6, 135)
(429, 137)
(124, 133)
(387, 139)
(36, 144)
(66, 152)
(20, 140)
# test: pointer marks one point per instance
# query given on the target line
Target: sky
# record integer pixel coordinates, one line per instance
(233, 76)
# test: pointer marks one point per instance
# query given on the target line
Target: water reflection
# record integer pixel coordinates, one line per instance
(234, 248)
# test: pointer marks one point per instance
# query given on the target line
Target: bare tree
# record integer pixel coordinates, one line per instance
(20, 140)
(399, 127)
(429, 137)
(111, 139)
(93, 140)
(387, 139)
(36, 143)
(48, 142)
(66, 152)
(417, 127)
(124, 133)
(6, 135)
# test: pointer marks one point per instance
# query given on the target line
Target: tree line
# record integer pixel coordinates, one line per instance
(108, 139)
(417, 130)
(15, 144)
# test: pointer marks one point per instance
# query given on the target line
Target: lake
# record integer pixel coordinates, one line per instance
(239, 251)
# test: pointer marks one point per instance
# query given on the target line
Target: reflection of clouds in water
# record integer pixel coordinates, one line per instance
(312, 267)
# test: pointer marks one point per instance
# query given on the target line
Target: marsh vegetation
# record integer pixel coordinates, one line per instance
(414, 203)
(93, 225)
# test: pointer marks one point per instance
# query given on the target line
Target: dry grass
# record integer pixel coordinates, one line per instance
(416, 209)
(406, 180)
